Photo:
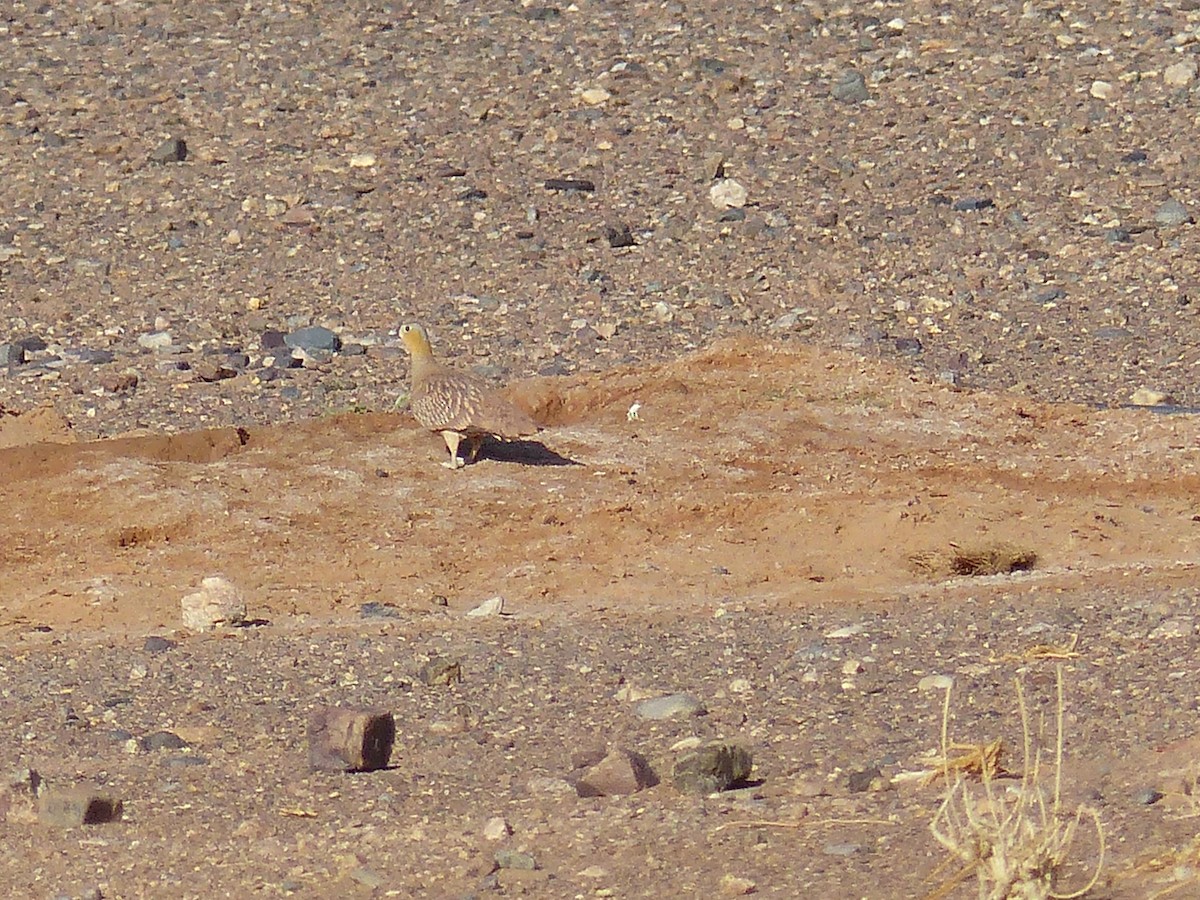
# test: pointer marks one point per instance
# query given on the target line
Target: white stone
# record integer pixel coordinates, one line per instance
(935, 683)
(491, 607)
(728, 194)
(218, 602)
(1144, 396)
(496, 829)
(1180, 74)
(362, 160)
(1101, 90)
(595, 96)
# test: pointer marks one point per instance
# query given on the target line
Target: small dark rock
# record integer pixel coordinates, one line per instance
(169, 151)
(96, 357)
(11, 354)
(1147, 797)
(271, 339)
(1049, 295)
(860, 780)
(472, 194)
(441, 671)
(157, 644)
(909, 345)
(850, 87)
(619, 235)
(1135, 156)
(570, 184)
(162, 740)
(972, 204)
(119, 382)
(375, 610)
(715, 767)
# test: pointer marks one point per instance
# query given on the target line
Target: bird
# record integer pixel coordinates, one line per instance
(458, 404)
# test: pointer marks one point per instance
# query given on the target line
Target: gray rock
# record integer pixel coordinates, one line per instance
(514, 859)
(441, 671)
(670, 707)
(850, 87)
(155, 340)
(842, 849)
(860, 780)
(1147, 797)
(314, 337)
(350, 740)
(1172, 213)
(11, 354)
(972, 204)
(375, 610)
(169, 151)
(77, 806)
(714, 767)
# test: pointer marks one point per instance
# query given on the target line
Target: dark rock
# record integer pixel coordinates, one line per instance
(169, 151)
(1147, 797)
(95, 357)
(354, 740)
(715, 767)
(441, 670)
(32, 344)
(972, 204)
(158, 644)
(271, 339)
(570, 184)
(619, 235)
(514, 859)
(119, 382)
(162, 740)
(209, 371)
(860, 780)
(909, 345)
(375, 610)
(11, 354)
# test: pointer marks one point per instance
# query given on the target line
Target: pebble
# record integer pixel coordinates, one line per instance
(162, 740)
(314, 337)
(935, 683)
(11, 354)
(1147, 797)
(847, 631)
(972, 204)
(1101, 90)
(1180, 74)
(619, 235)
(441, 671)
(1144, 396)
(841, 849)
(1172, 212)
(728, 194)
(218, 602)
(515, 859)
(77, 806)
(375, 610)
(362, 160)
(119, 382)
(860, 780)
(714, 767)
(158, 644)
(736, 886)
(595, 96)
(581, 185)
(620, 772)
(850, 87)
(171, 150)
(155, 340)
(491, 607)
(497, 829)
(852, 667)
(670, 707)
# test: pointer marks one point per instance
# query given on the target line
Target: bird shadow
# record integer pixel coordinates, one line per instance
(526, 453)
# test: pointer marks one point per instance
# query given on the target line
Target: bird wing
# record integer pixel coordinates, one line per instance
(449, 400)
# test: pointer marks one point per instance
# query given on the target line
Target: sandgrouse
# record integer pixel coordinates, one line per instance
(458, 404)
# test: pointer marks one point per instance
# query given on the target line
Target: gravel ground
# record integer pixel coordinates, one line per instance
(934, 234)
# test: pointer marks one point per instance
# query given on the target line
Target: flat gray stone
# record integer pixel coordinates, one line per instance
(714, 767)
(670, 707)
(314, 337)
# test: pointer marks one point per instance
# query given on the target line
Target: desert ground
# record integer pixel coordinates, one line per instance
(863, 342)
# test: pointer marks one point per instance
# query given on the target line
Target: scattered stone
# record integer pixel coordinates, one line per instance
(1147, 797)
(972, 204)
(119, 382)
(496, 829)
(714, 767)
(619, 235)
(351, 740)
(736, 886)
(18, 797)
(77, 806)
(218, 602)
(1145, 396)
(620, 772)
(670, 707)
(850, 87)
(860, 780)
(11, 354)
(728, 194)
(441, 671)
(162, 740)
(515, 859)
(935, 683)
(594, 96)
(1180, 74)
(155, 340)
(169, 151)
(1172, 213)
(570, 184)
(492, 607)
(314, 337)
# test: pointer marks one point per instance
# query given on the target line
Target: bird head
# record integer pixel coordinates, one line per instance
(415, 339)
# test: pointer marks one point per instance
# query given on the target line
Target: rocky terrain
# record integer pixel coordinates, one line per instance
(863, 341)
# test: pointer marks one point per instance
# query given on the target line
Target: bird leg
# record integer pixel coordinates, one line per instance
(452, 438)
(475, 441)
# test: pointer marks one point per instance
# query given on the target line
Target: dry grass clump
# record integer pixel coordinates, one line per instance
(991, 559)
(1013, 841)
